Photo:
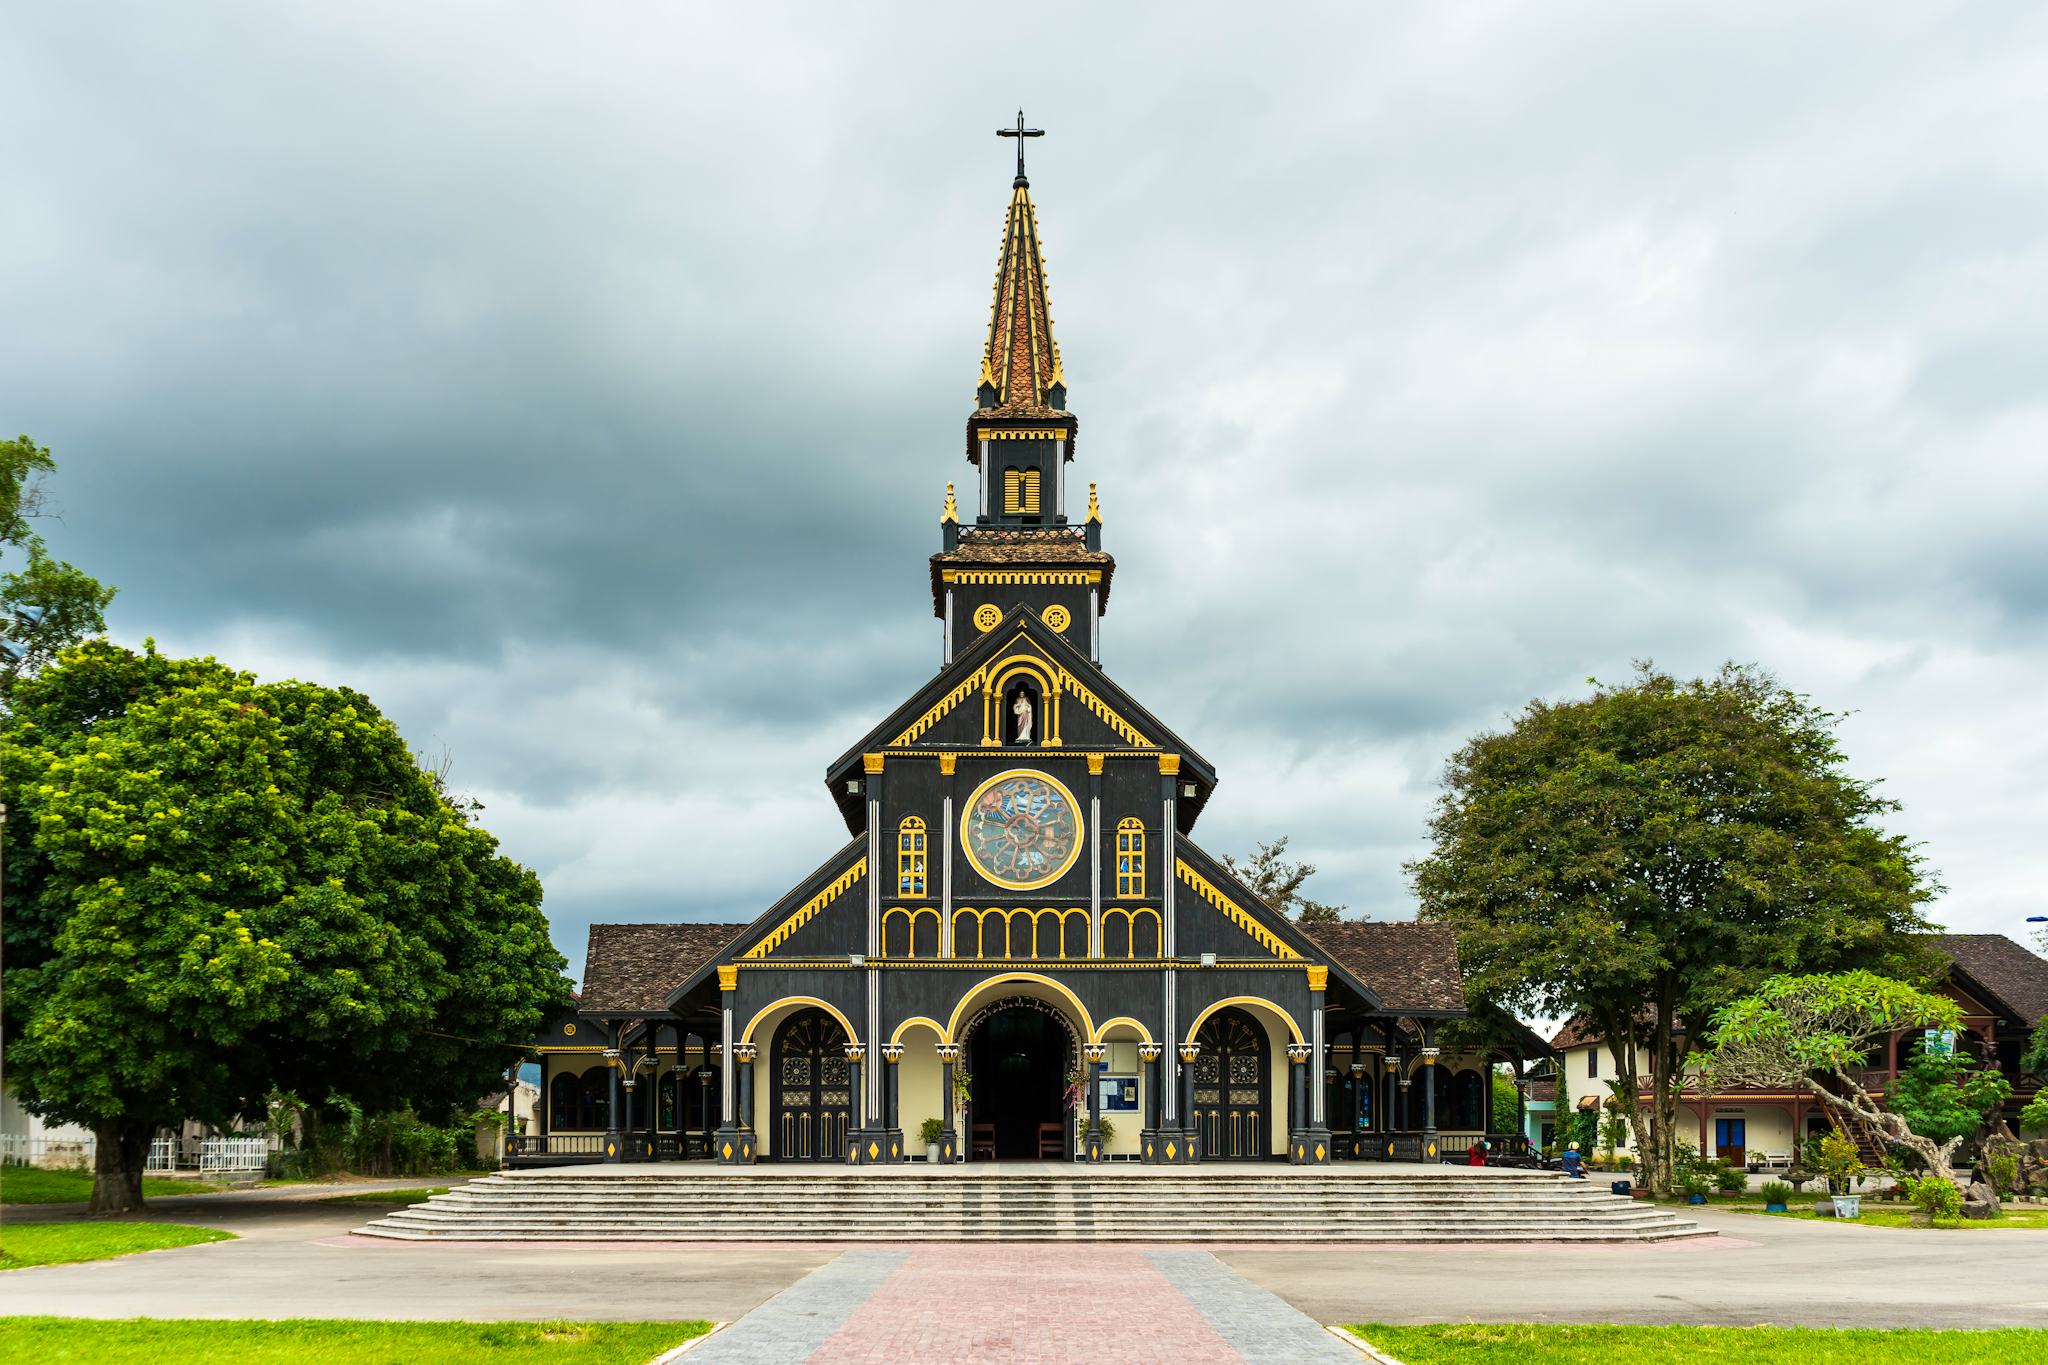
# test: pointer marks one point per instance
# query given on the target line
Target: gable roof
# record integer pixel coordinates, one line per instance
(1020, 622)
(1413, 966)
(2006, 969)
(1000, 546)
(632, 968)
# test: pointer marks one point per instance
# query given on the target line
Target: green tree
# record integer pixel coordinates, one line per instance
(1946, 1094)
(45, 603)
(1278, 883)
(1507, 1112)
(1646, 854)
(1816, 1033)
(229, 889)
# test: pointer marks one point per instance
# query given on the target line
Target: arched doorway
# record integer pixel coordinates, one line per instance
(813, 1089)
(1232, 1110)
(1019, 1053)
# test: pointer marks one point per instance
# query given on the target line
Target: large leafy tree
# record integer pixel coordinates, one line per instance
(1816, 1033)
(220, 888)
(1645, 855)
(1278, 880)
(45, 603)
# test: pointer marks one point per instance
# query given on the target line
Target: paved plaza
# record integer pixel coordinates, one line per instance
(296, 1257)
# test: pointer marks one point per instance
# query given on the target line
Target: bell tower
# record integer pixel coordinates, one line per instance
(1017, 545)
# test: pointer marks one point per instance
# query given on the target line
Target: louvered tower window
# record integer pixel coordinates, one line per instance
(910, 857)
(1020, 492)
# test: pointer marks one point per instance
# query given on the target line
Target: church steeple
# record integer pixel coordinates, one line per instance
(1020, 549)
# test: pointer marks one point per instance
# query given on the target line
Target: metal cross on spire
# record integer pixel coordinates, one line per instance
(1020, 132)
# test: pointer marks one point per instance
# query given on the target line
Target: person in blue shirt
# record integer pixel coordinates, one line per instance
(1574, 1164)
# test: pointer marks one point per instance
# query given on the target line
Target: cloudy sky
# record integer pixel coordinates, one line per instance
(582, 382)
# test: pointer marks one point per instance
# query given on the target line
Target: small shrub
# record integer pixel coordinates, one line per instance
(1694, 1182)
(2005, 1175)
(1839, 1162)
(1730, 1180)
(1777, 1192)
(930, 1131)
(1934, 1196)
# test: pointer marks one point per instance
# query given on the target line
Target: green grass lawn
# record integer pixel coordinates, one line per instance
(34, 1185)
(384, 1196)
(25, 1244)
(145, 1341)
(1892, 1215)
(1525, 1344)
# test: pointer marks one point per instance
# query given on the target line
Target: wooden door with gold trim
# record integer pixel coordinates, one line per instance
(813, 1089)
(1232, 1113)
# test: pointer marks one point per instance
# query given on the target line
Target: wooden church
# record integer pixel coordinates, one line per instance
(1020, 945)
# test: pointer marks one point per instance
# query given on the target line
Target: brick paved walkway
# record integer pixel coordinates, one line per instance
(1027, 1303)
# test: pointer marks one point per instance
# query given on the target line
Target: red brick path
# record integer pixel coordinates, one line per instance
(1026, 1304)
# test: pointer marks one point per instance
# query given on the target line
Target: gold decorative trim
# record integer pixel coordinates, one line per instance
(1318, 978)
(967, 688)
(951, 513)
(1094, 507)
(1021, 577)
(1020, 433)
(809, 909)
(987, 617)
(1261, 935)
(1057, 617)
(1095, 765)
(871, 763)
(1169, 765)
(728, 978)
(1122, 727)
(948, 762)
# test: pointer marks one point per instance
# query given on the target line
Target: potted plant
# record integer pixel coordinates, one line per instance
(1730, 1179)
(929, 1132)
(1777, 1196)
(1096, 1136)
(1695, 1184)
(1933, 1199)
(1841, 1164)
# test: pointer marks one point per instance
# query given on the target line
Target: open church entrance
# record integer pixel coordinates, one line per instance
(1019, 1053)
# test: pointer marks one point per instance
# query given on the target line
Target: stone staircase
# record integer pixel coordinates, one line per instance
(1241, 1205)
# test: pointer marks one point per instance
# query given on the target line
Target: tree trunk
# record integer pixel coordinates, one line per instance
(122, 1150)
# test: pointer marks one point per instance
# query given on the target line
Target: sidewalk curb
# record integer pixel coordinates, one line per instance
(674, 1353)
(1362, 1346)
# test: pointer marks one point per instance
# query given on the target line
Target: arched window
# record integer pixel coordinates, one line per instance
(594, 1106)
(562, 1092)
(1130, 857)
(1468, 1101)
(910, 857)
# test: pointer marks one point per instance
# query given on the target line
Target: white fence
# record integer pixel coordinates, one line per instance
(163, 1155)
(19, 1149)
(233, 1154)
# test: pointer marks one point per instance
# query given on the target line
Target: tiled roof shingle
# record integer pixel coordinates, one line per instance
(2016, 976)
(633, 967)
(1411, 965)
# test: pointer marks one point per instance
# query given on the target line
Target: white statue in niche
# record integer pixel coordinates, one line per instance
(1021, 709)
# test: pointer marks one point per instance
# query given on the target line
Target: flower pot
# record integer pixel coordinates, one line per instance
(931, 1153)
(1776, 1208)
(1848, 1205)
(1695, 1199)
(1622, 1186)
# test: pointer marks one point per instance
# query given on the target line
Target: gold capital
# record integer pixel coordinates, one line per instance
(728, 978)
(1318, 978)
(947, 762)
(1169, 765)
(1095, 765)
(872, 762)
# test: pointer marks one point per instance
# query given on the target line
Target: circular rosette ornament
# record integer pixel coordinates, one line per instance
(1021, 829)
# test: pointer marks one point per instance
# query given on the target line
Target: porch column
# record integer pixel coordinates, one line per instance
(1429, 1152)
(733, 1144)
(1304, 1146)
(1191, 1138)
(856, 1053)
(1315, 1133)
(1148, 1132)
(1092, 1056)
(949, 1141)
(892, 1074)
(614, 1140)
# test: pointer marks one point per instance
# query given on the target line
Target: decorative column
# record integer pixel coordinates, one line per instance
(1092, 1057)
(1095, 762)
(862, 1148)
(1315, 1133)
(614, 1136)
(733, 1145)
(1429, 1104)
(944, 839)
(1190, 1139)
(949, 1141)
(1150, 1145)
(892, 1128)
(744, 1056)
(1301, 1147)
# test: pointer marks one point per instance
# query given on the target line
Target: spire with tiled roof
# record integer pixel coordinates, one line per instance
(1018, 547)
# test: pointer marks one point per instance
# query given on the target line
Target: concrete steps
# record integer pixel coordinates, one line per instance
(559, 1204)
